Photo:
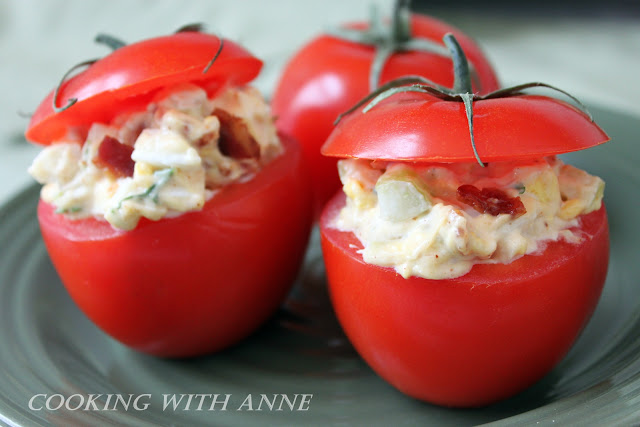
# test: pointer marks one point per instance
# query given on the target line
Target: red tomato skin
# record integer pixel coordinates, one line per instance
(196, 283)
(476, 339)
(328, 76)
(127, 79)
(418, 127)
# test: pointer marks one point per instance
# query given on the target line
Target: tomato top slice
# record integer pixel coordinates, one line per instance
(126, 80)
(415, 119)
(419, 127)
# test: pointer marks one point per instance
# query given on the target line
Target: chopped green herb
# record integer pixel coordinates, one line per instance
(73, 209)
(521, 188)
(162, 177)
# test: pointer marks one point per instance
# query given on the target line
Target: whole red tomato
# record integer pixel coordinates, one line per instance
(484, 336)
(333, 71)
(203, 280)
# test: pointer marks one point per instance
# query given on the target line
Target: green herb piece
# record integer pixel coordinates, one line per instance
(73, 209)
(162, 177)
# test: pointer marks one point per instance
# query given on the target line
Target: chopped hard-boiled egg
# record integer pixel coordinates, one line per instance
(401, 194)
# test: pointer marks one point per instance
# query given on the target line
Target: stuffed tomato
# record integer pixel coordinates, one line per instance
(174, 213)
(334, 70)
(463, 257)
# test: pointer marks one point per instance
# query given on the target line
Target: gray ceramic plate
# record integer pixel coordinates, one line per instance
(49, 348)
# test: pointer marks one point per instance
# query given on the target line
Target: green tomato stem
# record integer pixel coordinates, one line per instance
(462, 90)
(388, 39)
(401, 25)
(461, 74)
(56, 93)
(467, 99)
(194, 28)
(214, 57)
(110, 41)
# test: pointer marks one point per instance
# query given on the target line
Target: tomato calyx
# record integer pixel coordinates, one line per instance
(105, 39)
(388, 39)
(115, 44)
(462, 90)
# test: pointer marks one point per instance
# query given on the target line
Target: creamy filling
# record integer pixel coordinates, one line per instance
(412, 217)
(161, 162)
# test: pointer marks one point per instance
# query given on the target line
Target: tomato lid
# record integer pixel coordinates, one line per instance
(414, 119)
(419, 127)
(126, 79)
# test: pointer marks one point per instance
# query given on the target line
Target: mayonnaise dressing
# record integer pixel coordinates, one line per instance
(179, 161)
(408, 217)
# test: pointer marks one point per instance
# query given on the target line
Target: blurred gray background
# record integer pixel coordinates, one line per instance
(590, 48)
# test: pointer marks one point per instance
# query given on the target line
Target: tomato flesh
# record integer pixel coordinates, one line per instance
(195, 283)
(475, 339)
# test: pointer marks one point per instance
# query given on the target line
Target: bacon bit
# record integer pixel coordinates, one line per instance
(235, 139)
(490, 200)
(206, 139)
(115, 157)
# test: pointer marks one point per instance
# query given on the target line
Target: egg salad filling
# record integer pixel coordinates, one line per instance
(161, 162)
(436, 221)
